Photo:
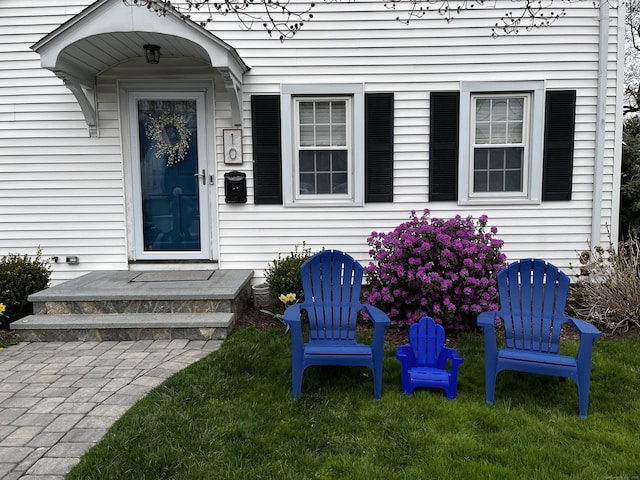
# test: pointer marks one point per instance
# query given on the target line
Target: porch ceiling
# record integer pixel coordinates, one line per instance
(109, 32)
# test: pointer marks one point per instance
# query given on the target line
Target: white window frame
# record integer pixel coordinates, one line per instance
(532, 165)
(354, 93)
(298, 147)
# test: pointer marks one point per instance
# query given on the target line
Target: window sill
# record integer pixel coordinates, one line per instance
(323, 203)
(499, 201)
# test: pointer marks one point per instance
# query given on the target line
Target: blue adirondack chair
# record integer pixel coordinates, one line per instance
(331, 282)
(533, 295)
(424, 359)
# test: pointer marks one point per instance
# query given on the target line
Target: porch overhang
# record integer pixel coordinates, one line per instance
(108, 32)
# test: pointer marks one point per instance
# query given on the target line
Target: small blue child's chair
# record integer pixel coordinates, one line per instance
(533, 296)
(424, 359)
(331, 282)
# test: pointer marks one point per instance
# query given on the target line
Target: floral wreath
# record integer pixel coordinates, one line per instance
(156, 129)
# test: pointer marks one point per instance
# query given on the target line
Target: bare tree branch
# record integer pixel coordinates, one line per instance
(284, 18)
(632, 58)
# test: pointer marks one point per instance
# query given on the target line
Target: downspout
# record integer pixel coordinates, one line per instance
(601, 118)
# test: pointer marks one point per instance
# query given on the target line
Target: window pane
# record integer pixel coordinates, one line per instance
(338, 135)
(307, 184)
(306, 136)
(496, 181)
(323, 136)
(480, 181)
(499, 110)
(324, 183)
(515, 133)
(323, 147)
(481, 159)
(499, 121)
(514, 158)
(498, 170)
(513, 181)
(307, 161)
(340, 161)
(322, 112)
(496, 161)
(483, 133)
(340, 183)
(483, 110)
(516, 109)
(339, 112)
(306, 113)
(323, 161)
(499, 132)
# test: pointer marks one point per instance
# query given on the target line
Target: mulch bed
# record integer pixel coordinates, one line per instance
(264, 321)
(394, 335)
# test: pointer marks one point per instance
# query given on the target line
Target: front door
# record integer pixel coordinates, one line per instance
(170, 176)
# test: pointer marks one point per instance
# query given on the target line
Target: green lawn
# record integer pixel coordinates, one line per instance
(230, 416)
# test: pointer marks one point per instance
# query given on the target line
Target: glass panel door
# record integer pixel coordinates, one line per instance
(170, 173)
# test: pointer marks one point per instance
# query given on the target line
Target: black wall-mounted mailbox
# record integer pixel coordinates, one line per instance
(235, 187)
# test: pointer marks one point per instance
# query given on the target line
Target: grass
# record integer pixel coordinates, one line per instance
(231, 416)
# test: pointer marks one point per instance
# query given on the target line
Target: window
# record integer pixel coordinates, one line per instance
(547, 145)
(322, 136)
(322, 147)
(343, 118)
(500, 143)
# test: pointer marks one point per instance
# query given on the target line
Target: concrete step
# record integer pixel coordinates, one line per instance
(123, 327)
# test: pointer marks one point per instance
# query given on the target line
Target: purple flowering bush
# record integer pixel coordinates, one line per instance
(431, 266)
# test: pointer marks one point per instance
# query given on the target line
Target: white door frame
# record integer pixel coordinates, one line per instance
(202, 93)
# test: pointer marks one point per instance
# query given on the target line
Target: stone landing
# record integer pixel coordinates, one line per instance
(134, 305)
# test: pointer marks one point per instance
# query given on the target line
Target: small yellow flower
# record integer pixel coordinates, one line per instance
(2, 308)
(291, 297)
(283, 298)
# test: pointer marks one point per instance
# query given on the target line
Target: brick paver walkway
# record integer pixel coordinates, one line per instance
(58, 399)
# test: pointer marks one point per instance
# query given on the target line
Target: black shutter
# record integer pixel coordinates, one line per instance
(443, 146)
(559, 128)
(378, 152)
(267, 151)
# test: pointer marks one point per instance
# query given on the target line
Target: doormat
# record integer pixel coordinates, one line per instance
(175, 276)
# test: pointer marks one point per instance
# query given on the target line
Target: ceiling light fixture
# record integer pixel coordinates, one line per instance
(152, 53)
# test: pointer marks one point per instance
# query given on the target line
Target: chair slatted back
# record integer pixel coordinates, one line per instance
(331, 281)
(533, 297)
(426, 339)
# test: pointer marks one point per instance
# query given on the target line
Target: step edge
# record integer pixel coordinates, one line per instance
(127, 321)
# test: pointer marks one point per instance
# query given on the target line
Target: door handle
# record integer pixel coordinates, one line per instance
(202, 175)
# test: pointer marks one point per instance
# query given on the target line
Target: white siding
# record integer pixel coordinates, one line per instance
(59, 189)
(64, 191)
(346, 43)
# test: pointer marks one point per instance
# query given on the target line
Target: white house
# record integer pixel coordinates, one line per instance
(236, 146)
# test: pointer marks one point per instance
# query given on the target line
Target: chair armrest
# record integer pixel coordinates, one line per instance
(488, 319)
(451, 354)
(406, 356)
(292, 319)
(448, 353)
(380, 322)
(588, 334)
(584, 328)
(377, 316)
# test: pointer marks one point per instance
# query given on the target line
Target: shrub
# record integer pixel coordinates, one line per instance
(283, 274)
(441, 268)
(20, 276)
(630, 176)
(607, 292)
